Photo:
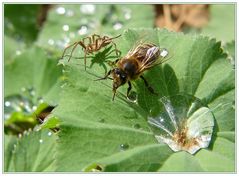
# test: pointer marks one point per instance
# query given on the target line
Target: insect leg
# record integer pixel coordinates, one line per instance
(148, 86)
(105, 77)
(129, 88)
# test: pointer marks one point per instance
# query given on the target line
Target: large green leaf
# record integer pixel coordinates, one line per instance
(33, 69)
(68, 23)
(32, 152)
(97, 132)
(21, 21)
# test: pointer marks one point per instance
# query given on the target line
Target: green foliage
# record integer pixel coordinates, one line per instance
(20, 21)
(93, 128)
(32, 152)
(96, 133)
(68, 23)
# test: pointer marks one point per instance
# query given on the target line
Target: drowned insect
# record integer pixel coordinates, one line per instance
(94, 44)
(137, 60)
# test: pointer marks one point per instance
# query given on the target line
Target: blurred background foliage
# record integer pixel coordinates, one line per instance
(36, 34)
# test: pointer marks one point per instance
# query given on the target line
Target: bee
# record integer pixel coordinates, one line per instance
(133, 65)
(94, 44)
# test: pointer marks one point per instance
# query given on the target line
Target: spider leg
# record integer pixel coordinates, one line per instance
(67, 48)
(75, 45)
(105, 77)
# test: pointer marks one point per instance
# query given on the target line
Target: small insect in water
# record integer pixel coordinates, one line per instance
(95, 43)
(137, 60)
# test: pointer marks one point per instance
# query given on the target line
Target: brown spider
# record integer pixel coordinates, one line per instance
(95, 43)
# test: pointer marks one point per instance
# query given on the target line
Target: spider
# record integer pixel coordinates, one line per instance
(94, 44)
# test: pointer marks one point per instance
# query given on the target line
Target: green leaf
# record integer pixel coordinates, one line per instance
(144, 158)
(21, 21)
(11, 49)
(222, 22)
(9, 142)
(39, 69)
(68, 23)
(34, 152)
(94, 128)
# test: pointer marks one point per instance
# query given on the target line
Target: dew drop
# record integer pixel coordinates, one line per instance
(70, 13)
(88, 9)
(133, 97)
(49, 133)
(183, 123)
(40, 100)
(65, 27)
(41, 141)
(124, 147)
(16, 103)
(34, 108)
(127, 14)
(163, 52)
(137, 126)
(18, 52)
(51, 42)
(83, 30)
(117, 25)
(32, 91)
(61, 10)
(7, 103)
(23, 89)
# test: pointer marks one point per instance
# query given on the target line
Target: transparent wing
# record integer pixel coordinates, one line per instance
(154, 56)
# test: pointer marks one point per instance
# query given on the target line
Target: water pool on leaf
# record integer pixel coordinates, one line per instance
(183, 123)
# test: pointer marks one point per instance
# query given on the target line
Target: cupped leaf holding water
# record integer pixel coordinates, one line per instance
(100, 134)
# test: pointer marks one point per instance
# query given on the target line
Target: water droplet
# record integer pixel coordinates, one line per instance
(163, 52)
(83, 30)
(16, 103)
(124, 147)
(40, 100)
(41, 141)
(34, 108)
(19, 135)
(23, 89)
(88, 9)
(61, 10)
(183, 123)
(117, 25)
(18, 52)
(133, 97)
(137, 126)
(7, 103)
(127, 13)
(51, 42)
(65, 27)
(49, 133)
(70, 13)
(14, 146)
(31, 91)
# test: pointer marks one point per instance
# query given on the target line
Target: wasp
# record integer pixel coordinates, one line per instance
(95, 43)
(133, 65)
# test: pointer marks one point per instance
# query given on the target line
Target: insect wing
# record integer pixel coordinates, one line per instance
(150, 58)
